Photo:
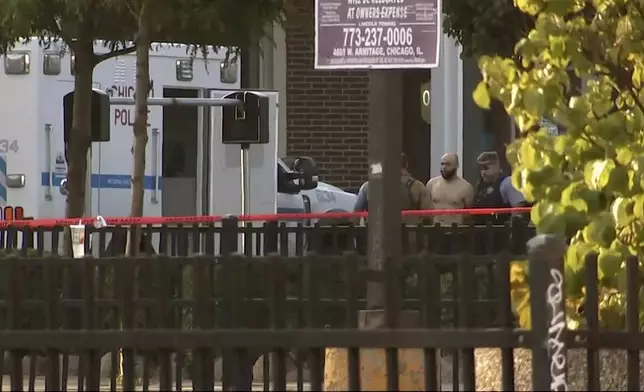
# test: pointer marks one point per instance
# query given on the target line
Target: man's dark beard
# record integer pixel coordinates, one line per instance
(448, 175)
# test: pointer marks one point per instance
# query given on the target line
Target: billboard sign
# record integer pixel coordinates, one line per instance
(377, 34)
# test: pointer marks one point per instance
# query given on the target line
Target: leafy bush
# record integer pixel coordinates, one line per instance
(588, 181)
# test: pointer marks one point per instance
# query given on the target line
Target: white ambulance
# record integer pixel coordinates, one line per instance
(189, 171)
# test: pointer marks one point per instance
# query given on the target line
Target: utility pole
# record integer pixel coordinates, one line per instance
(340, 44)
(385, 255)
(385, 148)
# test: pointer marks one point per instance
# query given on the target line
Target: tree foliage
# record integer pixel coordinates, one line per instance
(79, 23)
(213, 22)
(588, 182)
(490, 27)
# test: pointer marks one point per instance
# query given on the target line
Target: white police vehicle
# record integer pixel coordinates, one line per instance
(189, 171)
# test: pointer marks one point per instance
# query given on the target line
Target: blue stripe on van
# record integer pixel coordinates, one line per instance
(3, 165)
(104, 181)
(3, 194)
(122, 181)
(3, 183)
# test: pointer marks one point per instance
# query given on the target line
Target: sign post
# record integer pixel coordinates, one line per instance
(383, 37)
(245, 125)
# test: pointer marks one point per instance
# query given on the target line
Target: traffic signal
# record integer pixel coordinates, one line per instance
(248, 123)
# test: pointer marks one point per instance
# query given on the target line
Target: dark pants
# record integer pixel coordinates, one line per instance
(243, 380)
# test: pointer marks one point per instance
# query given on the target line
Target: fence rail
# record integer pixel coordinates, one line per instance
(260, 238)
(207, 305)
(197, 317)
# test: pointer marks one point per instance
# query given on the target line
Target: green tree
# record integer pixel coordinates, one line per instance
(220, 32)
(79, 23)
(489, 27)
(142, 88)
(76, 24)
(589, 181)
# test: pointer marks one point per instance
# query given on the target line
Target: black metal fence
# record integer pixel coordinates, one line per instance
(202, 303)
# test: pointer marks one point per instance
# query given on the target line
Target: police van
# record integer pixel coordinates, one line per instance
(189, 171)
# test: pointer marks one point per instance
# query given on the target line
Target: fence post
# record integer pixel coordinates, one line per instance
(519, 235)
(15, 298)
(229, 235)
(229, 245)
(270, 232)
(547, 306)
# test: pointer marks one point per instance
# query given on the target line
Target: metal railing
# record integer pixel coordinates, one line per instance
(192, 311)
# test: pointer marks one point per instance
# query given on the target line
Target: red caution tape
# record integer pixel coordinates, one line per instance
(173, 220)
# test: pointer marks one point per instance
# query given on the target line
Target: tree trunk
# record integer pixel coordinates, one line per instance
(140, 121)
(79, 139)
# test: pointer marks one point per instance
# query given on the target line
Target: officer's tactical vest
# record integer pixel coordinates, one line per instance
(488, 195)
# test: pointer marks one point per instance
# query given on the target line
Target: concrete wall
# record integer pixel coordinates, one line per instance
(474, 137)
(446, 105)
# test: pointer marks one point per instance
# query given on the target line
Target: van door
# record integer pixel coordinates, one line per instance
(291, 200)
(180, 162)
(112, 181)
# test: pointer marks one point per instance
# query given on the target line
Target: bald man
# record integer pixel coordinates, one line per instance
(449, 191)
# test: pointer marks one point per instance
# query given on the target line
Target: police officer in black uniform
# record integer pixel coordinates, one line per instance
(495, 190)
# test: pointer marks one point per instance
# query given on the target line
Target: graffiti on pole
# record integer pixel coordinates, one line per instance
(556, 345)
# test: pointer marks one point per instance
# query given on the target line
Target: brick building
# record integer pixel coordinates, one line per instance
(325, 114)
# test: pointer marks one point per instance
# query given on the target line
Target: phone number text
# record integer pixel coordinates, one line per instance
(377, 36)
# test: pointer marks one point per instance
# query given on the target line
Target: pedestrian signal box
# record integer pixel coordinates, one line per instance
(247, 123)
(100, 118)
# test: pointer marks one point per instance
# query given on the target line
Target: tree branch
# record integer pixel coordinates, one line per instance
(618, 78)
(114, 53)
(638, 7)
(590, 140)
(636, 100)
(130, 8)
(617, 75)
(55, 25)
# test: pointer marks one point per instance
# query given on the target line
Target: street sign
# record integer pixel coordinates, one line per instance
(373, 34)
